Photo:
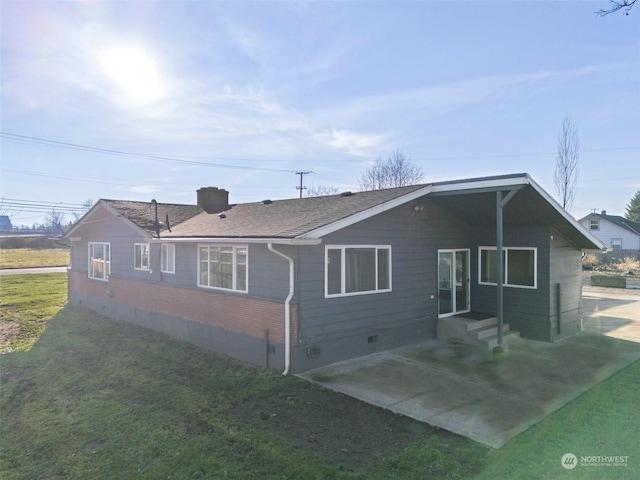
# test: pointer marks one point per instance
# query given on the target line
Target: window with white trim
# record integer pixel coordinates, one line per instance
(520, 266)
(168, 258)
(356, 270)
(141, 256)
(616, 243)
(594, 224)
(99, 260)
(223, 266)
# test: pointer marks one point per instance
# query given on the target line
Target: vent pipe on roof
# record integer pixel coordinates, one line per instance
(213, 199)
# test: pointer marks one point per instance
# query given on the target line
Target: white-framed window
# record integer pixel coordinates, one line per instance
(594, 224)
(141, 256)
(520, 266)
(616, 243)
(357, 269)
(99, 260)
(168, 258)
(223, 266)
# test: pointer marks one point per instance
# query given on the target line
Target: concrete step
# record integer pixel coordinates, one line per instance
(490, 331)
(478, 324)
(507, 337)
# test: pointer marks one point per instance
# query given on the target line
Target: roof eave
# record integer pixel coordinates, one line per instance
(274, 240)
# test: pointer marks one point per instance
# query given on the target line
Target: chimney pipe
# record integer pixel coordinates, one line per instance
(604, 212)
(213, 199)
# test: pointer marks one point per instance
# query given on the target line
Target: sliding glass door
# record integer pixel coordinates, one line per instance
(453, 282)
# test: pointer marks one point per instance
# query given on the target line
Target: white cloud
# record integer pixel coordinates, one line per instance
(144, 189)
(359, 144)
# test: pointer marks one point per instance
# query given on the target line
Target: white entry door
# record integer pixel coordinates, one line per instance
(453, 282)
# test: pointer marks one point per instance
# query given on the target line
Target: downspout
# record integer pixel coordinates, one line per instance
(287, 310)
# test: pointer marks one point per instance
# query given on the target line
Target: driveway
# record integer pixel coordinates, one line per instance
(27, 271)
(462, 389)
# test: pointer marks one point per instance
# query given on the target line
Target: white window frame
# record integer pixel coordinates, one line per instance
(342, 249)
(106, 262)
(616, 243)
(594, 225)
(506, 266)
(139, 250)
(235, 249)
(168, 258)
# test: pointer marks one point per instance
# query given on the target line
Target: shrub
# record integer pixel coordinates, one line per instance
(590, 261)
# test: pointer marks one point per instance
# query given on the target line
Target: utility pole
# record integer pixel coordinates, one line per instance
(301, 188)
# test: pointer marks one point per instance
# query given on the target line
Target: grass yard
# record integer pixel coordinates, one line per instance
(95, 398)
(99, 399)
(27, 302)
(31, 257)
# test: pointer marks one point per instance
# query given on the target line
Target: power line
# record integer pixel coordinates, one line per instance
(28, 140)
(37, 141)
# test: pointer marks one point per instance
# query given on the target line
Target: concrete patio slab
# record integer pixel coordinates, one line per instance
(464, 390)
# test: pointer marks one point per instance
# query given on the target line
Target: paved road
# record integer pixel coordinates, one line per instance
(25, 271)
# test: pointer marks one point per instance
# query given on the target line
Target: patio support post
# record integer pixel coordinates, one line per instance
(501, 201)
(499, 268)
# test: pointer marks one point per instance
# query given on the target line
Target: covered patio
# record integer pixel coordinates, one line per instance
(464, 389)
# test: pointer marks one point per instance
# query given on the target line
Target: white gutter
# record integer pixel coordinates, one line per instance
(287, 310)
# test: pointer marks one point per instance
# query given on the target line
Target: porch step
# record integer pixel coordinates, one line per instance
(478, 324)
(492, 342)
(473, 332)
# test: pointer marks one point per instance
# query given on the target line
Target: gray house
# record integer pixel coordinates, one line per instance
(296, 284)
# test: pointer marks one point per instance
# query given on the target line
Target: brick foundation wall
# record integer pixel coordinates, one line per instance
(234, 312)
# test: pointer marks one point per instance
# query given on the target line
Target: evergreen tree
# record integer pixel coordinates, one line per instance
(633, 209)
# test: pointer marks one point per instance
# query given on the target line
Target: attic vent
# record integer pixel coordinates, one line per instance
(346, 194)
(267, 202)
(222, 215)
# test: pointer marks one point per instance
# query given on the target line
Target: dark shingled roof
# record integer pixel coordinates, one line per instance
(284, 218)
(623, 222)
(143, 214)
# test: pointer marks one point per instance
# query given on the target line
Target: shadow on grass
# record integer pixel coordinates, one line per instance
(96, 398)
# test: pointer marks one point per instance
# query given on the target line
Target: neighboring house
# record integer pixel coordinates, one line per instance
(301, 283)
(5, 223)
(616, 232)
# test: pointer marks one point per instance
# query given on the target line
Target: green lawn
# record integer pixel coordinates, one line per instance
(94, 398)
(31, 257)
(27, 302)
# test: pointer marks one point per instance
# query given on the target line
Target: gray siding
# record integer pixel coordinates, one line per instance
(331, 329)
(268, 273)
(102, 226)
(525, 310)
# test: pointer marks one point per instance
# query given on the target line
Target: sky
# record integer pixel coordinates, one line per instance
(144, 100)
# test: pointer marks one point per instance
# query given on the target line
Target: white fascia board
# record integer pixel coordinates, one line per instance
(227, 240)
(365, 214)
(486, 183)
(576, 224)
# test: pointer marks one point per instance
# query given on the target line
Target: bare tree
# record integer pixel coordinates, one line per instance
(396, 171)
(53, 222)
(86, 206)
(616, 6)
(321, 191)
(567, 160)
